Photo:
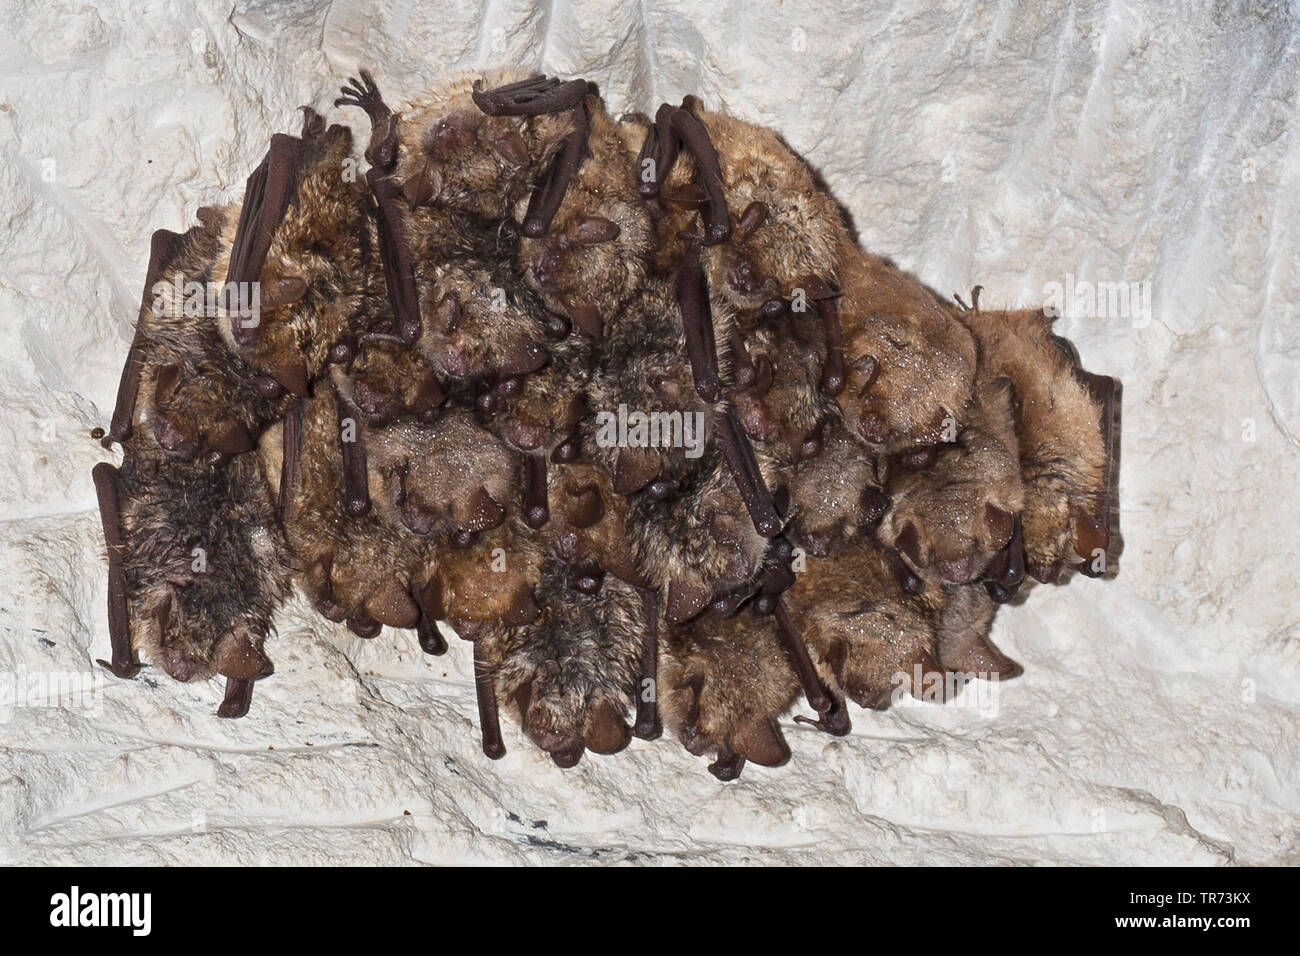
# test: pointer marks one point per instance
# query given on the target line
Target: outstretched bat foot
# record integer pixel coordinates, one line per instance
(531, 97)
(382, 151)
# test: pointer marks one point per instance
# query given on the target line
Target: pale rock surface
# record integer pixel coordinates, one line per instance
(1008, 144)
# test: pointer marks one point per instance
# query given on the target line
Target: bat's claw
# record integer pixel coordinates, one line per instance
(125, 670)
(834, 720)
(364, 93)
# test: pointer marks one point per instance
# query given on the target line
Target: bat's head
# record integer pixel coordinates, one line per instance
(590, 524)
(477, 326)
(455, 155)
(486, 586)
(201, 413)
(865, 630)
(908, 378)
(955, 511)
(453, 478)
(386, 380)
(317, 270)
(784, 227)
(705, 548)
(592, 258)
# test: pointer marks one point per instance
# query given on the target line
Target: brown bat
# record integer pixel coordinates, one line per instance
(837, 494)
(1067, 426)
(199, 400)
(306, 235)
(595, 254)
(351, 560)
(197, 567)
(960, 509)
(723, 681)
(571, 671)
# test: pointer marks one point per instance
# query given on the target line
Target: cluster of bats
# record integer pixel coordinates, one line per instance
(408, 427)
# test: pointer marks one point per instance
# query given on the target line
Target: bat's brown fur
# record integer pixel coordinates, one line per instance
(451, 154)
(594, 257)
(205, 564)
(799, 233)
(489, 584)
(195, 398)
(443, 478)
(572, 671)
(702, 544)
(866, 635)
(723, 681)
(1063, 456)
(358, 569)
(955, 514)
(837, 494)
(910, 365)
(322, 260)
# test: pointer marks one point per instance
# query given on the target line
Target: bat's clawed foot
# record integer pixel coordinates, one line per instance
(363, 92)
(127, 670)
(834, 720)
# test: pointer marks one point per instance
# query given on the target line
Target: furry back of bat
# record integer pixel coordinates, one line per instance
(1067, 428)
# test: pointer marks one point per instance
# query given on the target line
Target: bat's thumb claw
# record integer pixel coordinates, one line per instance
(126, 671)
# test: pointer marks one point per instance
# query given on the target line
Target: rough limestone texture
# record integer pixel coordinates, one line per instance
(1008, 144)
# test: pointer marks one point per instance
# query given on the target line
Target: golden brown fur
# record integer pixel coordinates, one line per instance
(955, 514)
(1063, 456)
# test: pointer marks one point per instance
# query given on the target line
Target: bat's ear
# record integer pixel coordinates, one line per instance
(238, 656)
(283, 291)
(165, 382)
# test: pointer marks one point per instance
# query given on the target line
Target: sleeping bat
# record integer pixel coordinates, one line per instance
(197, 567)
(1067, 427)
(572, 671)
(961, 509)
